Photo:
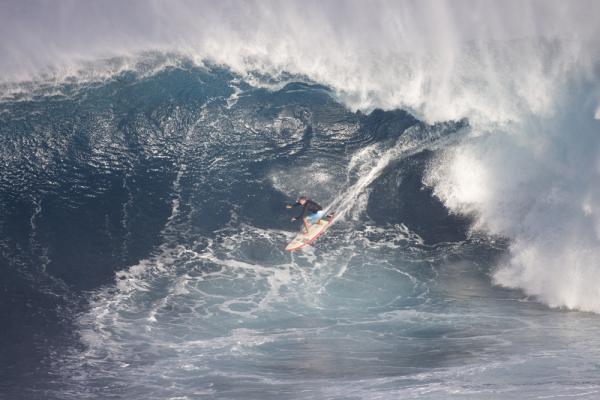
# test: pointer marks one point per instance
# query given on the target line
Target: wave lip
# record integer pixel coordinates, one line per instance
(535, 182)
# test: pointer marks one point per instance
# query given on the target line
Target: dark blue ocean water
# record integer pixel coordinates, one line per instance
(141, 253)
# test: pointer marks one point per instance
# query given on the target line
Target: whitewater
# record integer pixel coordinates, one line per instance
(148, 150)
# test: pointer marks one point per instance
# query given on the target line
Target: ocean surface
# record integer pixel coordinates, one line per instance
(142, 232)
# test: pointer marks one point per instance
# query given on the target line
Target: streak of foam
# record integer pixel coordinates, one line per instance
(368, 164)
(233, 98)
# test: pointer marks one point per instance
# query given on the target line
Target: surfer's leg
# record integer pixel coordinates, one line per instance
(306, 224)
(315, 217)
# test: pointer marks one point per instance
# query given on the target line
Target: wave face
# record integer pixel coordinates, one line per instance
(144, 223)
(146, 159)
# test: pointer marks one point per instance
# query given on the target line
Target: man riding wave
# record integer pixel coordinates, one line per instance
(311, 212)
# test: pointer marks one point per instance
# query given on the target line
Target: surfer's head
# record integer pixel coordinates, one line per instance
(302, 200)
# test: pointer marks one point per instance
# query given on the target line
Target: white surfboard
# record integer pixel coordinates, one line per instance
(303, 239)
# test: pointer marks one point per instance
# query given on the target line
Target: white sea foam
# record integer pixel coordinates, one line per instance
(536, 183)
(443, 60)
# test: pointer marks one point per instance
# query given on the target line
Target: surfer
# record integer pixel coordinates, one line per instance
(311, 213)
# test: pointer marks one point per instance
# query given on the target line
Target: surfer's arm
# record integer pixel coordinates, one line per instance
(292, 205)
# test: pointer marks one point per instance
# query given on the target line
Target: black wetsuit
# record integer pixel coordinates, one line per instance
(309, 206)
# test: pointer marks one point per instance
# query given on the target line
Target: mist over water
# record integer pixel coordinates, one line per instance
(148, 148)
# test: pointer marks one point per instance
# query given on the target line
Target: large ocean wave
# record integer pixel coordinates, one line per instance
(145, 166)
(525, 76)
